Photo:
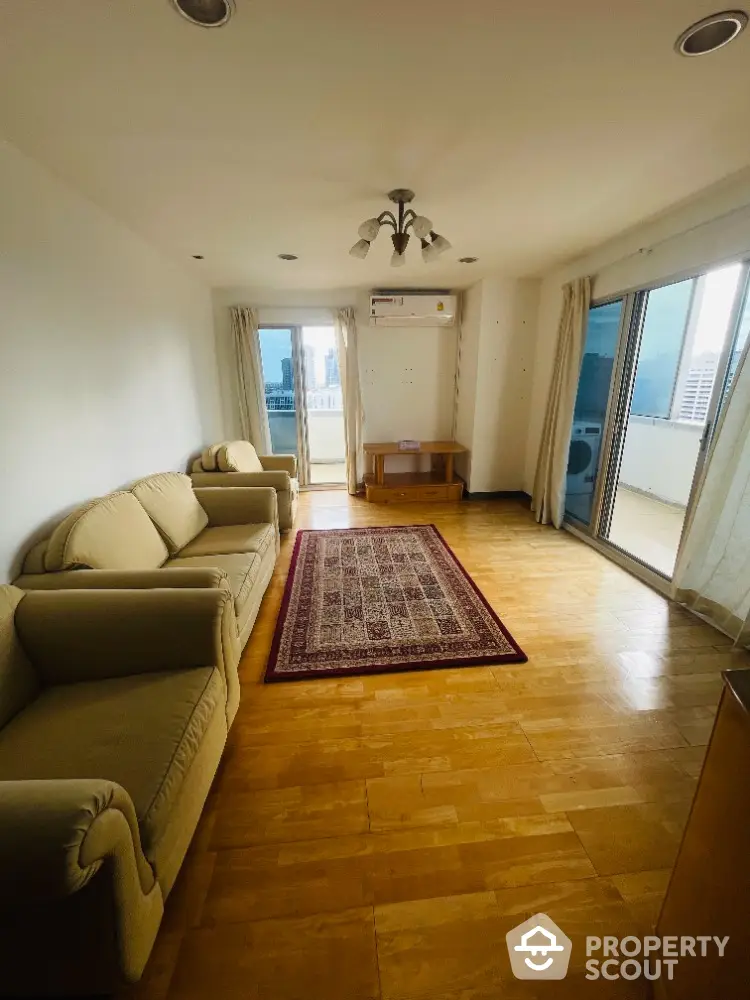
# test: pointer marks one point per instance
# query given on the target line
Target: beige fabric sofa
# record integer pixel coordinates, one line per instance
(163, 533)
(114, 712)
(236, 463)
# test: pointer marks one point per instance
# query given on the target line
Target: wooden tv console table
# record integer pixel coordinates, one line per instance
(440, 483)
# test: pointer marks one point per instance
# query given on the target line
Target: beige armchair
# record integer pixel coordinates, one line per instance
(113, 719)
(236, 463)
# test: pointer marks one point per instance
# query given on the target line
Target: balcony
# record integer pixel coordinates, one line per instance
(325, 438)
(656, 476)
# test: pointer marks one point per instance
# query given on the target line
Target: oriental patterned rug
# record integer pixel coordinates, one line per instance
(377, 600)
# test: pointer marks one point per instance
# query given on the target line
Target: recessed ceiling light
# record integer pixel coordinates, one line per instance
(205, 13)
(197, 256)
(467, 260)
(288, 256)
(711, 33)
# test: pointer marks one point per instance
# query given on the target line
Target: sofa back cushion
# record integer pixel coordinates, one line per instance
(169, 501)
(18, 680)
(112, 532)
(209, 456)
(238, 456)
(33, 561)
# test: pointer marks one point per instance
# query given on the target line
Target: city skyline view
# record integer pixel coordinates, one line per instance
(684, 331)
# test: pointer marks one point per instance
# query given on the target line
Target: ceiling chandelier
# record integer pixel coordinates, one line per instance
(433, 244)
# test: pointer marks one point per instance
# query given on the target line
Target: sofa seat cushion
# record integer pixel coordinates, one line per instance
(169, 501)
(230, 538)
(111, 532)
(238, 456)
(242, 570)
(141, 731)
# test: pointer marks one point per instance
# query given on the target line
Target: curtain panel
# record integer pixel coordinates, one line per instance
(548, 496)
(251, 392)
(712, 575)
(346, 342)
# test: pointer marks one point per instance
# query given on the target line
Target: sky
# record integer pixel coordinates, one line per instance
(715, 308)
(277, 344)
(666, 313)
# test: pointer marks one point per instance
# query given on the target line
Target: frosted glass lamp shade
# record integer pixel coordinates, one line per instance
(398, 260)
(360, 249)
(439, 243)
(369, 229)
(421, 227)
(428, 254)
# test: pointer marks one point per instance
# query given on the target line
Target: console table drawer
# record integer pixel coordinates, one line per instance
(433, 493)
(392, 494)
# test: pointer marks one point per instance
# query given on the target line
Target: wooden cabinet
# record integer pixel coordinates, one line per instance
(709, 892)
(441, 483)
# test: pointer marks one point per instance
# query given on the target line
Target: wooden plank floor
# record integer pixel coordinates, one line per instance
(377, 837)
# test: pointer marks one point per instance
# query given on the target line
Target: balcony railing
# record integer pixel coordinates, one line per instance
(660, 456)
(325, 434)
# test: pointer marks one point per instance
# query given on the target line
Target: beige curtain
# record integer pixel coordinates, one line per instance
(712, 576)
(251, 395)
(548, 497)
(346, 341)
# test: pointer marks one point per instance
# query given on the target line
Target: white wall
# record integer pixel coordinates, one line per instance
(709, 230)
(108, 367)
(407, 376)
(495, 379)
(659, 457)
(407, 379)
(467, 360)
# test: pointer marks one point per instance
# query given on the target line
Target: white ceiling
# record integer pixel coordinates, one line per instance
(530, 131)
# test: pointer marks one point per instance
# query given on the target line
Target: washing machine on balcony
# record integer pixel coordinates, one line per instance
(583, 462)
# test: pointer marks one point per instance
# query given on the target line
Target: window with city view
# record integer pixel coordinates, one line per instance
(684, 332)
(313, 350)
(684, 339)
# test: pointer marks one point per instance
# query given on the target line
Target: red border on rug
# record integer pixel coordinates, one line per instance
(305, 675)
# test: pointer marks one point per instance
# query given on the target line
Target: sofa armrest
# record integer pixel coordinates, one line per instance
(286, 463)
(80, 635)
(239, 505)
(171, 577)
(278, 480)
(55, 836)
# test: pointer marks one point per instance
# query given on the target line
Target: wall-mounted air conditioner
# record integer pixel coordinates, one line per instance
(413, 309)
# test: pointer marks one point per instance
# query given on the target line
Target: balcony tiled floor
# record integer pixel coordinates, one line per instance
(647, 528)
(326, 473)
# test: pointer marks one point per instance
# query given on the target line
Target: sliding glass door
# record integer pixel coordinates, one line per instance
(304, 400)
(656, 370)
(592, 400)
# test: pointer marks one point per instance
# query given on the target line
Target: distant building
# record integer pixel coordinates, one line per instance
(333, 376)
(279, 399)
(287, 374)
(696, 394)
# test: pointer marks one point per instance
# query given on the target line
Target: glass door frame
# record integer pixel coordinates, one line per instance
(300, 396)
(618, 410)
